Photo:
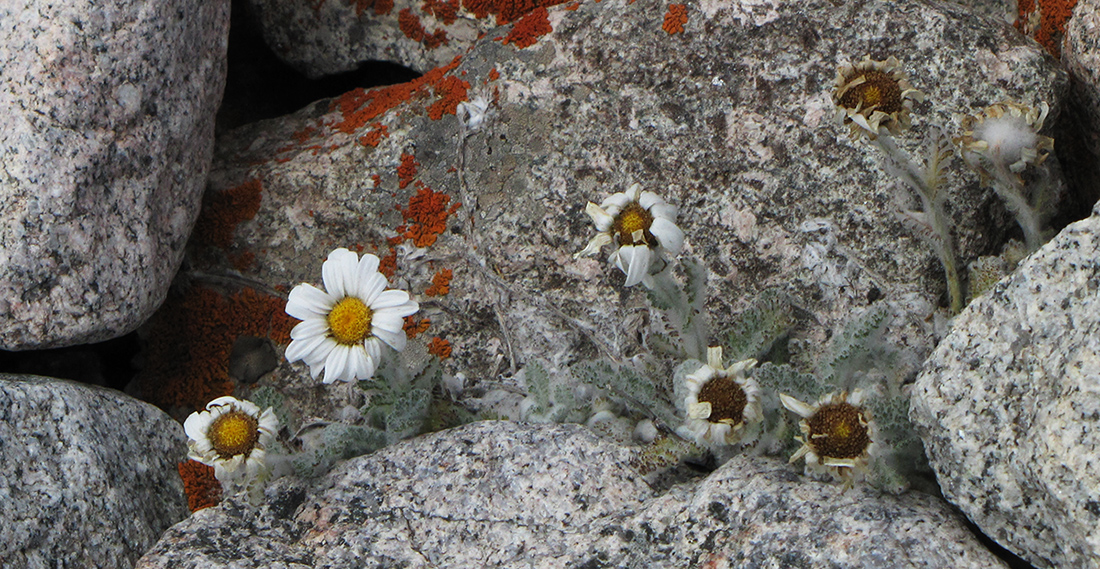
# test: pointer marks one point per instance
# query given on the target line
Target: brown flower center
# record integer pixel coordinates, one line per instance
(631, 219)
(878, 92)
(839, 430)
(727, 400)
(234, 433)
(349, 321)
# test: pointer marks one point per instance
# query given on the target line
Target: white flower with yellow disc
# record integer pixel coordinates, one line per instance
(232, 436)
(342, 330)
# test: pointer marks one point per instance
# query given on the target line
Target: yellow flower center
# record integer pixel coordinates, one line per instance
(839, 430)
(727, 400)
(632, 219)
(349, 321)
(878, 91)
(234, 433)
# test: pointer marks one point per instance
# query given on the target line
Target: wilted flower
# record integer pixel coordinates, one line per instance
(342, 330)
(232, 436)
(1006, 134)
(873, 94)
(839, 436)
(641, 224)
(720, 401)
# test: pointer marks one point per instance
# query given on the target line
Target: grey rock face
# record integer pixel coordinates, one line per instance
(1081, 56)
(90, 476)
(1008, 409)
(107, 136)
(502, 494)
(324, 37)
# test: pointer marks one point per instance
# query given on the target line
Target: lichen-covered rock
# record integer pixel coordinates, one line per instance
(108, 129)
(1008, 411)
(503, 494)
(731, 119)
(323, 37)
(90, 475)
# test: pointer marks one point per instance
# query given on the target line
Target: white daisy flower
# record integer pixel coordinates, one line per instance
(721, 402)
(839, 436)
(641, 224)
(232, 436)
(342, 330)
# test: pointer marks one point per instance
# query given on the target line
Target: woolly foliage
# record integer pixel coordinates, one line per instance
(683, 308)
(902, 461)
(858, 348)
(554, 401)
(332, 443)
(636, 390)
(757, 329)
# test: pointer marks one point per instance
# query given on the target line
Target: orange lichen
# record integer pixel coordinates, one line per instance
(382, 7)
(441, 283)
(222, 211)
(199, 484)
(359, 107)
(407, 170)
(529, 28)
(388, 264)
(438, 38)
(675, 19)
(445, 11)
(428, 214)
(189, 339)
(507, 11)
(375, 136)
(572, 7)
(410, 25)
(414, 327)
(451, 91)
(1048, 26)
(494, 74)
(440, 348)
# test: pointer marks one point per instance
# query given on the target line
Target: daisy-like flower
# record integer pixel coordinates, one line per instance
(873, 94)
(1005, 134)
(721, 402)
(342, 330)
(641, 224)
(232, 436)
(838, 435)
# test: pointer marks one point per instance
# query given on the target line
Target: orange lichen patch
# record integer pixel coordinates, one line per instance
(573, 6)
(494, 74)
(414, 327)
(304, 135)
(445, 11)
(675, 19)
(410, 25)
(387, 265)
(375, 136)
(189, 339)
(223, 211)
(530, 28)
(507, 11)
(428, 214)
(199, 484)
(441, 283)
(377, 179)
(438, 38)
(359, 107)
(243, 261)
(1046, 22)
(407, 170)
(451, 91)
(440, 348)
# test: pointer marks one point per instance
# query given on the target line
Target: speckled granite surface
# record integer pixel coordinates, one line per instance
(503, 494)
(1009, 411)
(89, 476)
(108, 130)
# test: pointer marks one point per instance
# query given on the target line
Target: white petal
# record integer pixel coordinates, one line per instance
(388, 321)
(601, 218)
(309, 350)
(649, 199)
(615, 203)
(357, 363)
(796, 406)
(339, 272)
(634, 191)
(309, 328)
(374, 352)
(396, 302)
(396, 340)
(368, 265)
(637, 263)
(668, 235)
(368, 288)
(336, 365)
(699, 410)
(197, 424)
(664, 210)
(307, 300)
(594, 245)
(714, 357)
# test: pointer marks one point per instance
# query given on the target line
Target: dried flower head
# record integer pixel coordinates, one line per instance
(873, 94)
(838, 435)
(641, 224)
(342, 330)
(721, 402)
(232, 436)
(1004, 135)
